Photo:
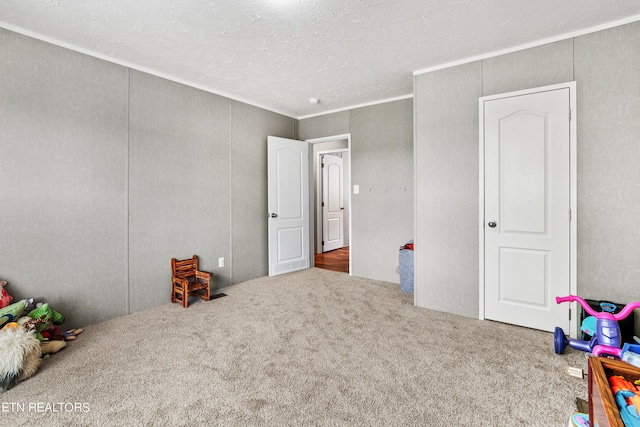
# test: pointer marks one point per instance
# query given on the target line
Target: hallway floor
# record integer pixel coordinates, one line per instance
(337, 260)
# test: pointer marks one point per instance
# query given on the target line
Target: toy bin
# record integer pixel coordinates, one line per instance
(603, 410)
(406, 267)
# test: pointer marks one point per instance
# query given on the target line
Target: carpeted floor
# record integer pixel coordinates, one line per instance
(313, 348)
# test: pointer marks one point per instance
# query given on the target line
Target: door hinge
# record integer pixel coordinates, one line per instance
(569, 114)
(323, 243)
(569, 314)
(323, 204)
(322, 164)
(569, 215)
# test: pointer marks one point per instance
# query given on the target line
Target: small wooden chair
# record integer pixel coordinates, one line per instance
(188, 280)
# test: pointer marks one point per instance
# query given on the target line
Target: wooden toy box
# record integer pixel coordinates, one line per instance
(602, 406)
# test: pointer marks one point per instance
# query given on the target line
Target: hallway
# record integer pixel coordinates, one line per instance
(337, 260)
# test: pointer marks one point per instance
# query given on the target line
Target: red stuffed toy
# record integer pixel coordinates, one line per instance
(5, 298)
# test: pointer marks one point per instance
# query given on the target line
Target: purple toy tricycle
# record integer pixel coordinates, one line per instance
(606, 338)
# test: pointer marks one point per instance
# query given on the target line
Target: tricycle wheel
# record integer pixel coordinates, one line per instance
(559, 340)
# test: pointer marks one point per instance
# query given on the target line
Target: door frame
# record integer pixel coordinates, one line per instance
(319, 212)
(347, 178)
(573, 205)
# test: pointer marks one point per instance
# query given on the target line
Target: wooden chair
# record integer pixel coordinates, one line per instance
(188, 280)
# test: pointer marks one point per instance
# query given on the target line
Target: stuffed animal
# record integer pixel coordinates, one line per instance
(51, 316)
(72, 334)
(12, 312)
(50, 347)
(19, 355)
(32, 324)
(28, 307)
(47, 348)
(53, 333)
(5, 298)
(10, 325)
(52, 343)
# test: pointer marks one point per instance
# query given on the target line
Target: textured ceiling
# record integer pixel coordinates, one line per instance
(278, 53)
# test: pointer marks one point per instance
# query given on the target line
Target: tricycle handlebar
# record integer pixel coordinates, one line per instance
(583, 303)
(619, 316)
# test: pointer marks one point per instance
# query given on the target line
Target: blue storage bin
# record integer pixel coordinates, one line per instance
(406, 268)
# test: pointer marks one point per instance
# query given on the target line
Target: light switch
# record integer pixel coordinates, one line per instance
(220, 262)
(356, 189)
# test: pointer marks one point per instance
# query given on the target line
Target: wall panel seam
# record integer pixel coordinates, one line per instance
(127, 195)
(573, 58)
(230, 142)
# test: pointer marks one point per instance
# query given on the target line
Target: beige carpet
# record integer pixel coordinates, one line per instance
(313, 348)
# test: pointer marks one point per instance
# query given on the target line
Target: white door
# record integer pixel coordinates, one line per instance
(288, 188)
(332, 203)
(526, 211)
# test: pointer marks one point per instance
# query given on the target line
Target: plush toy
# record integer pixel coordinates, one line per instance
(50, 347)
(54, 333)
(5, 298)
(32, 324)
(72, 334)
(51, 333)
(28, 307)
(12, 312)
(10, 325)
(51, 316)
(19, 355)
(53, 341)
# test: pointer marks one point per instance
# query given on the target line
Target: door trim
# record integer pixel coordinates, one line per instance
(573, 180)
(346, 136)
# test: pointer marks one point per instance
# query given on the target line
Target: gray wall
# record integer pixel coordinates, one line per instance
(178, 177)
(607, 71)
(382, 165)
(107, 173)
(63, 141)
(325, 125)
(605, 66)
(446, 155)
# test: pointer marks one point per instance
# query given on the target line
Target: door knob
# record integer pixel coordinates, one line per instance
(273, 215)
(492, 224)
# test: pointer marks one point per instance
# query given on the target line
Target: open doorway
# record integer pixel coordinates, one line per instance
(336, 260)
(331, 202)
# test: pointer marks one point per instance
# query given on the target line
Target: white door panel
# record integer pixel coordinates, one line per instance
(289, 244)
(523, 276)
(288, 177)
(522, 162)
(526, 211)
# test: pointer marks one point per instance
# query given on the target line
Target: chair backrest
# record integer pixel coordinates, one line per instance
(185, 267)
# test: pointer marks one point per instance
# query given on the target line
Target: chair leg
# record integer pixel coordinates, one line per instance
(185, 298)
